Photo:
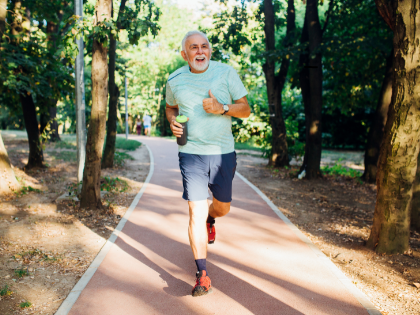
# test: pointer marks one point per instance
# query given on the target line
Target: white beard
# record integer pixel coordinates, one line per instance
(200, 67)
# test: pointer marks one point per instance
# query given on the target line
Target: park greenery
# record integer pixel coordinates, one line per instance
(319, 75)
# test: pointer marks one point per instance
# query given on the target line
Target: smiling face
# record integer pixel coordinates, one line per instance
(197, 53)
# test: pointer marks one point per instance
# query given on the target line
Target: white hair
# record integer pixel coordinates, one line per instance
(191, 33)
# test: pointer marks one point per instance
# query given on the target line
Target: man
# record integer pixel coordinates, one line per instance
(147, 121)
(203, 91)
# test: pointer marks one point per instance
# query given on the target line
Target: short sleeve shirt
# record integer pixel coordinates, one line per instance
(147, 120)
(208, 134)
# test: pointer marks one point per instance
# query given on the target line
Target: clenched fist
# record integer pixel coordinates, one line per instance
(212, 106)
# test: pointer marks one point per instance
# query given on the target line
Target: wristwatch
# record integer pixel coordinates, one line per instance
(225, 108)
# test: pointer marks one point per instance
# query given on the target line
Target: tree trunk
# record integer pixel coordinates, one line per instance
(399, 152)
(111, 133)
(91, 188)
(275, 83)
(3, 14)
(280, 156)
(48, 116)
(377, 129)
(54, 136)
(304, 85)
(415, 202)
(31, 123)
(8, 182)
(51, 104)
(385, 8)
(314, 145)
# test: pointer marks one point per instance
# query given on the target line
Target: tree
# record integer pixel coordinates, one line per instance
(91, 187)
(415, 202)
(111, 133)
(8, 182)
(128, 19)
(400, 148)
(311, 84)
(376, 132)
(275, 82)
(34, 71)
(3, 14)
(377, 129)
(19, 31)
(231, 33)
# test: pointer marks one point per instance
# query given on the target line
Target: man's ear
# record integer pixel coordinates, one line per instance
(184, 55)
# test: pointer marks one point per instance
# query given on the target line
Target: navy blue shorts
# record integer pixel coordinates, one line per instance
(203, 172)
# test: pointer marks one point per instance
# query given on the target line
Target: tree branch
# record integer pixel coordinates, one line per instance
(329, 12)
(386, 10)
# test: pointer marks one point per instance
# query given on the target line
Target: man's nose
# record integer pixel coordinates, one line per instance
(200, 51)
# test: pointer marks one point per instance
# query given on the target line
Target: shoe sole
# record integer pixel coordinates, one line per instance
(201, 293)
(212, 242)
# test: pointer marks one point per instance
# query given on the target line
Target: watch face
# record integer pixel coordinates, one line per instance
(225, 108)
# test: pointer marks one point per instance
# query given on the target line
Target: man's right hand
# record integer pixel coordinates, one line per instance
(176, 128)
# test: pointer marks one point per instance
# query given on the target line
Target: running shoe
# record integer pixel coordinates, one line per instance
(211, 232)
(202, 284)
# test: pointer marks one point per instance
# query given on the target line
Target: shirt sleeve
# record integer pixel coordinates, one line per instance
(170, 99)
(236, 87)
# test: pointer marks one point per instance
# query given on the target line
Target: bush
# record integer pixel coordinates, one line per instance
(340, 170)
(5, 291)
(25, 304)
(128, 145)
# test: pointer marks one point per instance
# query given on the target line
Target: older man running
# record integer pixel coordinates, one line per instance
(203, 91)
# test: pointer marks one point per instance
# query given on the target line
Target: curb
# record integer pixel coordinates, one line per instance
(74, 294)
(348, 284)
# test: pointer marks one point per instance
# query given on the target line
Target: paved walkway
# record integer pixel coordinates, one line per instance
(259, 264)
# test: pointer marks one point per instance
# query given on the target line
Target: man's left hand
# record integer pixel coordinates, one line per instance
(212, 106)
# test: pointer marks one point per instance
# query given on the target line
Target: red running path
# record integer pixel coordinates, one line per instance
(258, 264)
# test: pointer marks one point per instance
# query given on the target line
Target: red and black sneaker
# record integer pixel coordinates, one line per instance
(211, 232)
(202, 284)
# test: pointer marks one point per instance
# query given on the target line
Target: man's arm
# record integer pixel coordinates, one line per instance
(240, 109)
(171, 113)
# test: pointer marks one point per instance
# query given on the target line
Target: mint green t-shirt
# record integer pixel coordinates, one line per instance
(208, 134)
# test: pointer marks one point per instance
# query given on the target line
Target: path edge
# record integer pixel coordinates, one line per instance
(74, 294)
(348, 284)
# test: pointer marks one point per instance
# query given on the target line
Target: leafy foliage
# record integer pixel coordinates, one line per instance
(129, 145)
(5, 291)
(113, 184)
(25, 304)
(340, 170)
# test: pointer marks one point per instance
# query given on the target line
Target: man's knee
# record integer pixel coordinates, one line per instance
(220, 208)
(198, 210)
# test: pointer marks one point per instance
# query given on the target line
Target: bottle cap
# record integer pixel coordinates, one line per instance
(182, 119)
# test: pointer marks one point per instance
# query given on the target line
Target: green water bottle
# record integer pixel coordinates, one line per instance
(183, 121)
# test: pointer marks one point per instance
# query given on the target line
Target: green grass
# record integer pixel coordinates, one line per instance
(340, 170)
(65, 145)
(26, 189)
(246, 146)
(5, 291)
(25, 304)
(64, 155)
(113, 184)
(121, 157)
(128, 145)
(20, 273)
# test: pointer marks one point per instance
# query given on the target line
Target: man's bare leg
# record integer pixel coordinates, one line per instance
(197, 231)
